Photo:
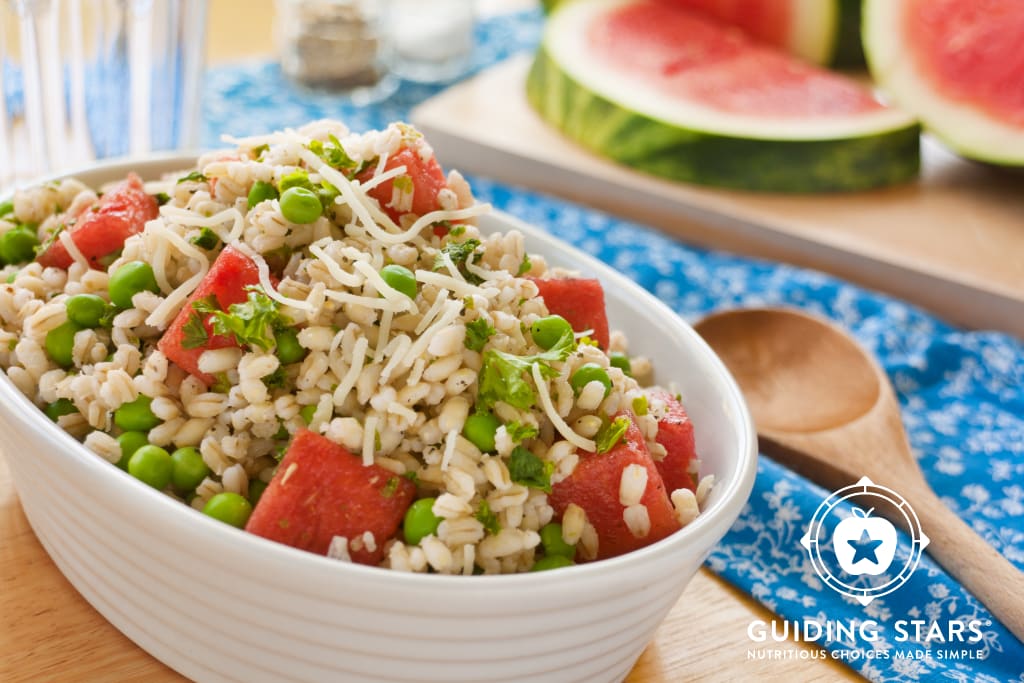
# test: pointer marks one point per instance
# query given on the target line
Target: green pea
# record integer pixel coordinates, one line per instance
(62, 406)
(480, 429)
(188, 470)
(551, 539)
(297, 178)
(130, 279)
(256, 489)
(301, 206)
(551, 562)
(587, 373)
(18, 245)
(136, 416)
(60, 343)
(261, 192)
(288, 348)
(307, 413)
(6, 208)
(400, 278)
(229, 508)
(129, 443)
(420, 521)
(619, 360)
(548, 330)
(151, 465)
(86, 309)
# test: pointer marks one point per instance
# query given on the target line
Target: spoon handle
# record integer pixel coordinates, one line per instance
(981, 569)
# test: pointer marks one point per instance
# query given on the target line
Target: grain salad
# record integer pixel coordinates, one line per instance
(308, 337)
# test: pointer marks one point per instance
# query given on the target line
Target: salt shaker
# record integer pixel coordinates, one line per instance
(433, 40)
(338, 45)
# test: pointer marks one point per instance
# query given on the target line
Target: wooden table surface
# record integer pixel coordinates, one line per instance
(50, 633)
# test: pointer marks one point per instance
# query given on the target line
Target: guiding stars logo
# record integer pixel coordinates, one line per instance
(853, 555)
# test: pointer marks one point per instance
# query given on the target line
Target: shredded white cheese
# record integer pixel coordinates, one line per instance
(452, 309)
(433, 311)
(268, 286)
(368, 301)
(161, 314)
(458, 287)
(369, 439)
(383, 332)
(397, 348)
(450, 266)
(352, 376)
(549, 409)
(334, 268)
(381, 177)
(73, 250)
(483, 273)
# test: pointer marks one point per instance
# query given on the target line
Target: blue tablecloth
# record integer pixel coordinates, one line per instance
(961, 392)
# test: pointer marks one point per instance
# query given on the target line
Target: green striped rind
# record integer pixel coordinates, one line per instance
(709, 158)
(849, 49)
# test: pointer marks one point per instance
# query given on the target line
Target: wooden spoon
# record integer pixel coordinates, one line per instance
(825, 408)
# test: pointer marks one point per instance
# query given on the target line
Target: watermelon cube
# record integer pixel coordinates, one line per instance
(427, 181)
(102, 230)
(594, 486)
(227, 280)
(580, 301)
(675, 433)
(321, 490)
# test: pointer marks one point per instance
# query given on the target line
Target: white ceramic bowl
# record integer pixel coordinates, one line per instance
(217, 604)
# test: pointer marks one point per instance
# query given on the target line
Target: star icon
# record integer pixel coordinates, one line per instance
(864, 548)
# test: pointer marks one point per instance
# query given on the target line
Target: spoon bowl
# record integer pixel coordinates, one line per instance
(825, 408)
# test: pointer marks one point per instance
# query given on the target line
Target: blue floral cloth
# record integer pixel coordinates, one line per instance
(962, 393)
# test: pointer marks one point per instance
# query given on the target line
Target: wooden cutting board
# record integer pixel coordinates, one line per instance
(952, 242)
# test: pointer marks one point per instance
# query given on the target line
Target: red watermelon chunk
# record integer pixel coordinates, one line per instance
(427, 181)
(227, 279)
(594, 486)
(321, 491)
(581, 302)
(103, 229)
(675, 433)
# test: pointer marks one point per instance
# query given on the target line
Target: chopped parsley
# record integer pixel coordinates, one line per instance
(477, 333)
(587, 341)
(412, 476)
(335, 155)
(611, 433)
(403, 184)
(459, 253)
(206, 239)
(519, 432)
(640, 405)
(161, 198)
(527, 469)
(525, 266)
(457, 230)
(221, 384)
(486, 516)
(277, 379)
(390, 488)
(194, 176)
(501, 375)
(251, 323)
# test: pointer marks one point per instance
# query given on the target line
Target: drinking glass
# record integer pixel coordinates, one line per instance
(433, 40)
(89, 79)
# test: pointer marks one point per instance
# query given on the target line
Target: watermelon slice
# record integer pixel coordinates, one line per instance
(594, 486)
(675, 433)
(957, 65)
(716, 108)
(227, 279)
(321, 491)
(825, 32)
(426, 177)
(580, 301)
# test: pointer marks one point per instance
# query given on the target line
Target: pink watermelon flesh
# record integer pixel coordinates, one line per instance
(972, 52)
(717, 66)
(766, 20)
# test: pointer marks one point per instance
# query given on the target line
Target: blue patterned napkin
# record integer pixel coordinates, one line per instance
(962, 393)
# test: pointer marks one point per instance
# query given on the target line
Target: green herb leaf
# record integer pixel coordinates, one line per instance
(222, 384)
(206, 239)
(277, 379)
(411, 476)
(250, 323)
(195, 176)
(477, 333)
(459, 253)
(162, 198)
(390, 488)
(208, 304)
(640, 405)
(527, 469)
(520, 432)
(501, 375)
(611, 433)
(525, 266)
(195, 332)
(486, 516)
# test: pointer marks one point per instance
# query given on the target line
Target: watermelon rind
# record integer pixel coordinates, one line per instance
(966, 130)
(632, 124)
